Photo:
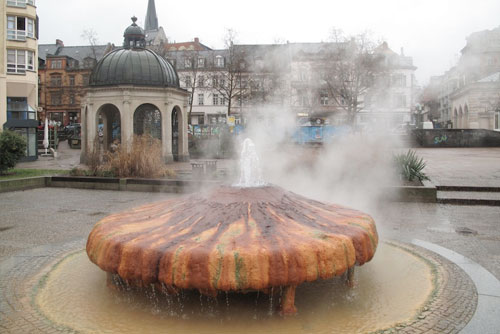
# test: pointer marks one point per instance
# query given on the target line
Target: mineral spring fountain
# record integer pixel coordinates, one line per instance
(248, 237)
(234, 259)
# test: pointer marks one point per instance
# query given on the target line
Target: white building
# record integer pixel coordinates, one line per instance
(18, 70)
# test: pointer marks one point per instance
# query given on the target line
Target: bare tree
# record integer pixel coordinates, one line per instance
(349, 68)
(191, 75)
(227, 74)
(90, 36)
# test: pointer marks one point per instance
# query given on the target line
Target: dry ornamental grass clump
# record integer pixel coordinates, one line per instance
(143, 159)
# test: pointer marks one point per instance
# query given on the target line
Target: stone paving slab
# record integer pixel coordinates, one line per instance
(462, 166)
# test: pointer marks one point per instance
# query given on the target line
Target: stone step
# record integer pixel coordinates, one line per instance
(491, 198)
(467, 188)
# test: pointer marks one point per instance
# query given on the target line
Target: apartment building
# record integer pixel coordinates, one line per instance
(64, 73)
(246, 78)
(469, 93)
(18, 70)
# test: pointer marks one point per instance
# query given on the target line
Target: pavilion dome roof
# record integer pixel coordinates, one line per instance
(134, 64)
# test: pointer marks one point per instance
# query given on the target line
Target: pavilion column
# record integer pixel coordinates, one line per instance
(83, 133)
(166, 132)
(127, 125)
(183, 135)
(91, 125)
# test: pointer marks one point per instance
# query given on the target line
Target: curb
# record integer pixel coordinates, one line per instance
(101, 183)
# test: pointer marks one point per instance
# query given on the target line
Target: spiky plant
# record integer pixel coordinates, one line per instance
(410, 166)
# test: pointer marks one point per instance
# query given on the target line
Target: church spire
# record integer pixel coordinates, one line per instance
(151, 18)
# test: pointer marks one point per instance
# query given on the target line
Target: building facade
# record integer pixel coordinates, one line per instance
(469, 93)
(18, 70)
(64, 73)
(245, 78)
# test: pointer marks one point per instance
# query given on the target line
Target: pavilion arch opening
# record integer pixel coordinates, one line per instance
(466, 117)
(460, 118)
(176, 131)
(108, 125)
(147, 121)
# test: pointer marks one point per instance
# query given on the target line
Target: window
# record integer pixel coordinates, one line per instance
(200, 99)
(56, 64)
(399, 101)
(18, 108)
(323, 97)
(187, 80)
(72, 99)
(18, 27)
(71, 80)
(201, 62)
(89, 62)
(215, 99)
(188, 63)
(219, 61)
(222, 100)
(304, 100)
(215, 82)
(85, 79)
(302, 75)
(398, 80)
(201, 81)
(55, 81)
(18, 61)
(190, 99)
(31, 28)
(55, 99)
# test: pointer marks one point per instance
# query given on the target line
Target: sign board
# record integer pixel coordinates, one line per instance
(230, 120)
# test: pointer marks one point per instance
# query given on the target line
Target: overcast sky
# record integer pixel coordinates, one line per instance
(431, 31)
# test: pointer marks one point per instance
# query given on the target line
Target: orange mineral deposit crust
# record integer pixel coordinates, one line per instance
(233, 239)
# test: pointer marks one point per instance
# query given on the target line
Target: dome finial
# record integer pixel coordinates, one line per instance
(134, 36)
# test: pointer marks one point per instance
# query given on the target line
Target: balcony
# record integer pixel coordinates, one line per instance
(16, 35)
(20, 3)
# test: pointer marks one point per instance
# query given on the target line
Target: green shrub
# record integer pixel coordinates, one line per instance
(410, 166)
(12, 149)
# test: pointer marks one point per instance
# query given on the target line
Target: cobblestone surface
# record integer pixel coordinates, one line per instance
(453, 300)
(59, 220)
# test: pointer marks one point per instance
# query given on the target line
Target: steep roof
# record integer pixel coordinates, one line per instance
(76, 52)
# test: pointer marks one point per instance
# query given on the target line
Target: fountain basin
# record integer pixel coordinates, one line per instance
(391, 289)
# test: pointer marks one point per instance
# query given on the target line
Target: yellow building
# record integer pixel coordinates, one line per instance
(18, 70)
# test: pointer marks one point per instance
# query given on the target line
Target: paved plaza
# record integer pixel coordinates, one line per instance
(38, 226)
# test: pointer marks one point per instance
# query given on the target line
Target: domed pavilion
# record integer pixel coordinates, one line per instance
(134, 91)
